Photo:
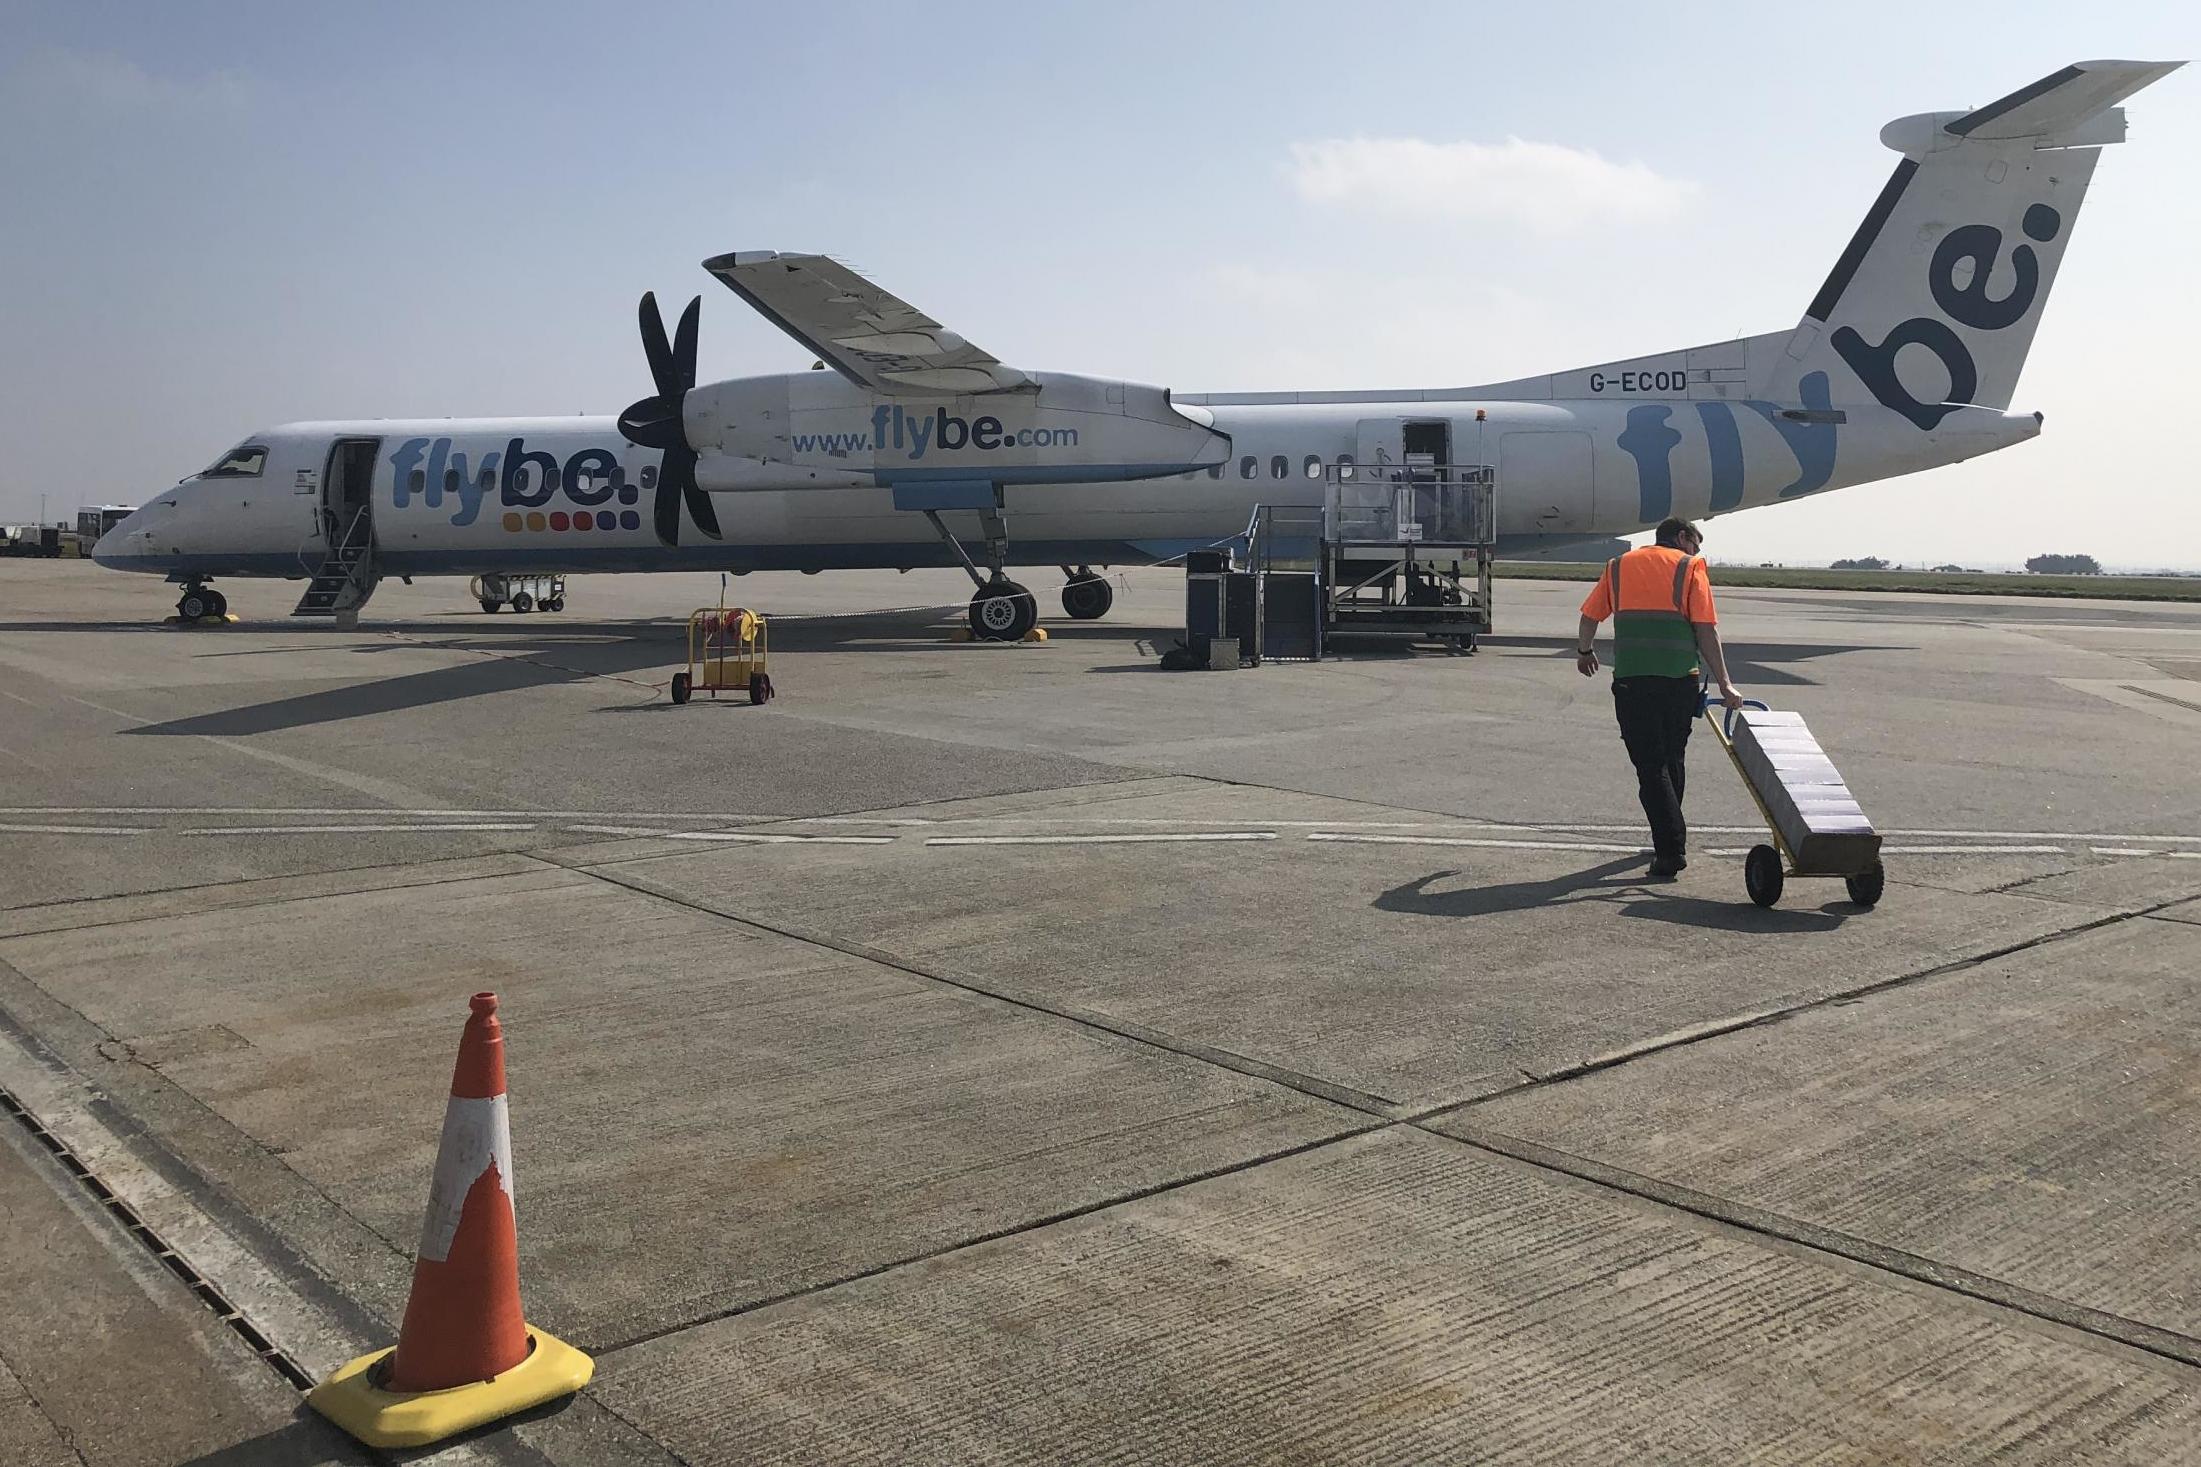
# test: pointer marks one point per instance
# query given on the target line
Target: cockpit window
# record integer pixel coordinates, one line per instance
(242, 462)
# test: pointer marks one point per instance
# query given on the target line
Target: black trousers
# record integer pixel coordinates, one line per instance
(1656, 715)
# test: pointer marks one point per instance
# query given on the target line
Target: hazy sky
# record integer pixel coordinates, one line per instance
(215, 217)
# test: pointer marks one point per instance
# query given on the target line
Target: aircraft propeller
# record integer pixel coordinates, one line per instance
(655, 421)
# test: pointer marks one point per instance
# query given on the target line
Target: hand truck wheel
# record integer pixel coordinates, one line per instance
(683, 687)
(1762, 876)
(1865, 889)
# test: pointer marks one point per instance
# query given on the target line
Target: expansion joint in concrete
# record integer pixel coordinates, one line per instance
(2102, 1325)
(1312, 1086)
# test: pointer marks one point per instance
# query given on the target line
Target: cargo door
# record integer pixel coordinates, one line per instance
(1547, 484)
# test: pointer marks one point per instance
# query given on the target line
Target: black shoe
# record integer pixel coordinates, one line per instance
(1666, 868)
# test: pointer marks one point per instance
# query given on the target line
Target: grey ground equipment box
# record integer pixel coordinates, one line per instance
(1819, 820)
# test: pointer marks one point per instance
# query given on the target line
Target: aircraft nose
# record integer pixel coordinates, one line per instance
(128, 544)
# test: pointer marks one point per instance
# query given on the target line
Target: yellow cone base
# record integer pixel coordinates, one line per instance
(225, 620)
(383, 1418)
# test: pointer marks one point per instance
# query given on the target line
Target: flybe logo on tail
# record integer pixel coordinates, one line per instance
(1957, 276)
(434, 473)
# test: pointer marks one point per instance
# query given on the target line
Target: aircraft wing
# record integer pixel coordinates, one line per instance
(865, 334)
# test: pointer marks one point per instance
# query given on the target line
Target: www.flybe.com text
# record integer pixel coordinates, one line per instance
(917, 434)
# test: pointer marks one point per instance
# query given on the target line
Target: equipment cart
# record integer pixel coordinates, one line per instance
(1854, 857)
(727, 653)
(521, 593)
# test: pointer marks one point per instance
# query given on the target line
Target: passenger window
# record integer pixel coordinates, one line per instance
(419, 480)
(1345, 466)
(488, 478)
(1248, 467)
(1314, 465)
(1215, 471)
(1280, 467)
(450, 481)
(242, 462)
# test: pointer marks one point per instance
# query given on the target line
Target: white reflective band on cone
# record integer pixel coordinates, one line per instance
(476, 1135)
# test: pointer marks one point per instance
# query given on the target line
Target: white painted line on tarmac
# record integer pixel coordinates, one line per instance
(736, 836)
(1971, 850)
(72, 829)
(345, 829)
(1157, 837)
(2123, 851)
(391, 814)
(1461, 840)
(2043, 835)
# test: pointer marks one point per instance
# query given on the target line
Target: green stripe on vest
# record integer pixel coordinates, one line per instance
(1653, 644)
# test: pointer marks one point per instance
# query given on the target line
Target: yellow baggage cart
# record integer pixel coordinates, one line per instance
(727, 653)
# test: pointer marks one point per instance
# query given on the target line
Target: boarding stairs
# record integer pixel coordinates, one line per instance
(346, 577)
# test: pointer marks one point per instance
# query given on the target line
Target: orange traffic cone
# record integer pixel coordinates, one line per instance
(464, 1356)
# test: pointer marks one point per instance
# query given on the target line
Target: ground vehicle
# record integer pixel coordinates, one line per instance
(95, 520)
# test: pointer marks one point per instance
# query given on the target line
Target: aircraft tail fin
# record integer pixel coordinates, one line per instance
(1934, 303)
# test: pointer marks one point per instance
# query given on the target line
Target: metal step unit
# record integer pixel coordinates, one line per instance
(346, 578)
(1406, 550)
(1399, 550)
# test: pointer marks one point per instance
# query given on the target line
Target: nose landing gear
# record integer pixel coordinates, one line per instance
(199, 603)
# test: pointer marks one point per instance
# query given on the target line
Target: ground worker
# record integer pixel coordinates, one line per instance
(1665, 636)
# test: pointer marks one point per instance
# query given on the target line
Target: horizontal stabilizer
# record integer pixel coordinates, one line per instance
(2062, 102)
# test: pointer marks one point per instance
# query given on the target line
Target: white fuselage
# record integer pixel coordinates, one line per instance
(466, 496)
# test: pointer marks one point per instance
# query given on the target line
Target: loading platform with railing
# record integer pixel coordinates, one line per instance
(1398, 550)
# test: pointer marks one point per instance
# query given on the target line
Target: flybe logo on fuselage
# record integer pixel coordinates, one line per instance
(433, 472)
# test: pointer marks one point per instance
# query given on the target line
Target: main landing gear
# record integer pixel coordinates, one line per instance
(1001, 610)
(1086, 595)
(198, 602)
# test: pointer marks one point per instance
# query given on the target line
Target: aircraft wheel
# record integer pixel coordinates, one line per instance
(1866, 890)
(1762, 876)
(555, 603)
(221, 604)
(683, 687)
(522, 602)
(490, 605)
(1087, 598)
(1003, 611)
(195, 603)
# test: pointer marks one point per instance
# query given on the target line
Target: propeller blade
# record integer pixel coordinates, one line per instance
(684, 336)
(701, 509)
(658, 350)
(654, 422)
(668, 505)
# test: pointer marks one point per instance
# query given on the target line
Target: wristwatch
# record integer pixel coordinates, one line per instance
(1585, 651)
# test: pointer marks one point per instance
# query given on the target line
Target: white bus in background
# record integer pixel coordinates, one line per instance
(95, 520)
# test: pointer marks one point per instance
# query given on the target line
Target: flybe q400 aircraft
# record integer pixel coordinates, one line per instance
(919, 448)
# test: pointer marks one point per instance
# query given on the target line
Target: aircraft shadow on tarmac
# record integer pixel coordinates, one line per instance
(513, 655)
(1617, 882)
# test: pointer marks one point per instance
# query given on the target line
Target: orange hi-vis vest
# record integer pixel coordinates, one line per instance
(1657, 597)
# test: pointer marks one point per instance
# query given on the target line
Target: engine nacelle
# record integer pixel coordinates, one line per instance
(819, 430)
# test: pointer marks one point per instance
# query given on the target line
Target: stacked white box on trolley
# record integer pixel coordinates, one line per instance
(1820, 820)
